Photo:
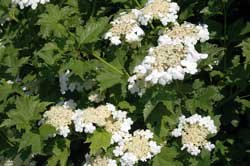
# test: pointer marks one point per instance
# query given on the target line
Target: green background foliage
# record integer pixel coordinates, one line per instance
(67, 34)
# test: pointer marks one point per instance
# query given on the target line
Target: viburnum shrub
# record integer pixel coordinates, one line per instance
(124, 82)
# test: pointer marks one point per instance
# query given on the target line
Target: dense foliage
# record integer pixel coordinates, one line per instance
(64, 40)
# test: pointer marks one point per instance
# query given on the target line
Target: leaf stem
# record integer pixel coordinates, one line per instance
(13, 17)
(244, 96)
(106, 63)
(137, 3)
(93, 8)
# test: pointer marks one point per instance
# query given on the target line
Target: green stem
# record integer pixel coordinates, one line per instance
(151, 25)
(225, 31)
(7, 140)
(231, 97)
(244, 96)
(106, 63)
(13, 17)
(138, 4)
(93, 8)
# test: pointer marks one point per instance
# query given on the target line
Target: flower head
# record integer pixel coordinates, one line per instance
(59, 117)
(136, 147)
(194, 132)
(106, 116)
(125, 26)
(186, 33)
(163, 10)
(174, 57)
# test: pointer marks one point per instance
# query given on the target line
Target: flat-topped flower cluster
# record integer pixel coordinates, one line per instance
(135, 147)
(127, 25)
(128, 148)
(175, 54)
(106, 116)
(174, 57)
(194, 132)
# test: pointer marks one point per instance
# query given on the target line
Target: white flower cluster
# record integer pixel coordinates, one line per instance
(99, 161)
(136, 147)
(60, 117)
(106, 116)
(194, 132)
(163, 10)
(125, 25)
(67, 85)
(26, 3)
(174, 56)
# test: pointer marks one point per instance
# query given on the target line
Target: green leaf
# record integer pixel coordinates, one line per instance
(108, 78)
(6, 90)
(50, 53)
(238, 28)
(100, 139)
(244, 102)
(187, 12)
(205, 158)
(92, 31)
(33, 140)
(148, 108)
(215, 54)
(216, 120)
(119, 1)
(80, 68)
(204, 98)
(51, 22)
(28, 109)
(125, 105)
(61, 152)
(245, 45)
(46, 131)
(168, 97)
(166, 157)
(13, 62)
